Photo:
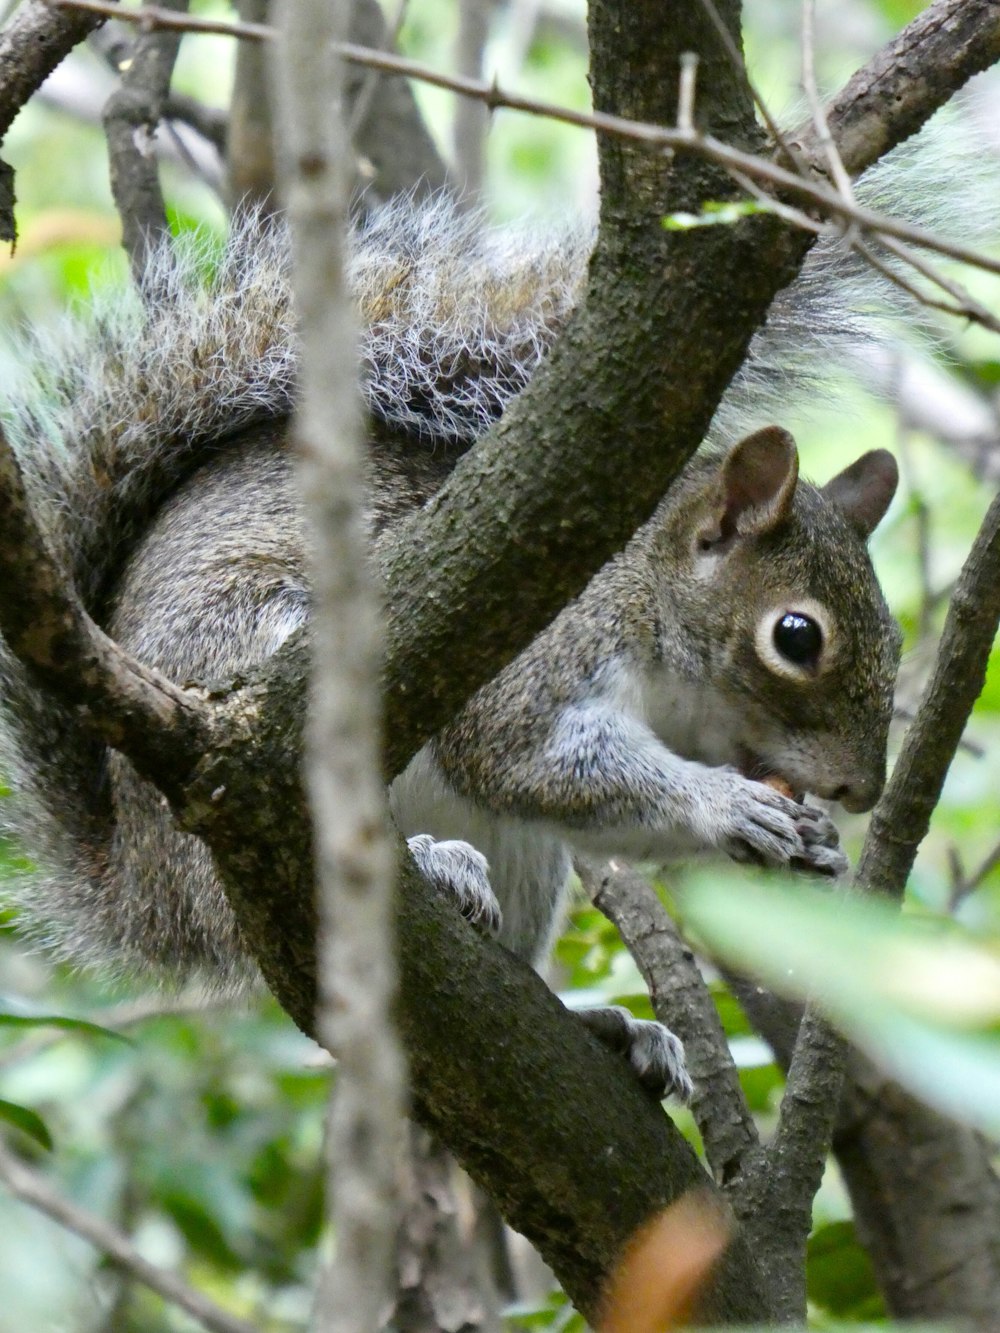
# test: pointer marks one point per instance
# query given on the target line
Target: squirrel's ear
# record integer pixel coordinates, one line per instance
(863, 491)
(756, 486)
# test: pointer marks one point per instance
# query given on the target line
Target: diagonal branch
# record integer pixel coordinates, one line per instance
(681, 1000)
(34, 41)
(902, 817)
(888, 100)
(31, 1188)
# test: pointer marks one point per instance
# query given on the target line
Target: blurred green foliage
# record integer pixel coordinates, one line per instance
(201, 1135)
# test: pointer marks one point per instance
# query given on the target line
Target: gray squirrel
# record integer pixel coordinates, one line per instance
(741, 634)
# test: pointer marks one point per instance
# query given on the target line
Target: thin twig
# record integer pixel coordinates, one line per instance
(965, 304)
(824, 139)
(31, 1188)
(687, 90)
(736, 60)
(902, 817)
(656, 136)
(963, 885)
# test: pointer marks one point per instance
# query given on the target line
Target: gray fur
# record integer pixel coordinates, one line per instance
(153, 446)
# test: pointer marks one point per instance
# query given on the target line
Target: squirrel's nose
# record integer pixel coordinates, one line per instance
(860, 795)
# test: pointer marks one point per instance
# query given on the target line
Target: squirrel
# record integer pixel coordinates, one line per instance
(740, 635)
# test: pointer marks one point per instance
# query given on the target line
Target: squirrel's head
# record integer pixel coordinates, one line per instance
(778, 594)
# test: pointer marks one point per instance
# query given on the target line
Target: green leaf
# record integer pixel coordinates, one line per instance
(19, 1014)
(921, 999)
(840, 1277)
(29, 1122)
(715, 214)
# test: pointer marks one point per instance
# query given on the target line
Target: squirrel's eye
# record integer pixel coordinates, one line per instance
(798, 639)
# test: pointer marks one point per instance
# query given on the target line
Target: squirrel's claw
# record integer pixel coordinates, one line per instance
(655, 1053)
(458, 869)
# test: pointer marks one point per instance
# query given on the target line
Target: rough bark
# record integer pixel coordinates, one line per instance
(583, 456)
(545, 1118)
(926, 1201)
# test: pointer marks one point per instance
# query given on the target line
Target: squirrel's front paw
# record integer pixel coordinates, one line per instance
(765, 826)
(653, 1051)
(458, 869)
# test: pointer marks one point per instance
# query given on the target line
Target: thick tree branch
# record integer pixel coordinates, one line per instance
(32, 44)
(887, 101)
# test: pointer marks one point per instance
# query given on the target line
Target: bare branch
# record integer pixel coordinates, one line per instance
(131, 119)
(974, 56)
(396, 151)
(442, 1281)
(887, 100)
(250, 166)
(902, 817)
(964, 884)
(31, 1188)
(125, 703)
(32, 44)
(680, 1000)
(794, 1162)
(926, 1200)
(352, 846)
(470, 124)
(770, 1189)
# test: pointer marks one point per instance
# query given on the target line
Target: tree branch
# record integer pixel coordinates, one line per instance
(901, 818)
(353, 851)
(926, 1199)
(887, 101)
(790, 1174)
(33, 42)
(681, 1000)
(125, 703)
(31, 1188)
(131, 118)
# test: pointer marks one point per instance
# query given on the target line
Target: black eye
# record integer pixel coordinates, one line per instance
(799, 639)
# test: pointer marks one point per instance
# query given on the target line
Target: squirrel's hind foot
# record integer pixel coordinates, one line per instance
(655, 1053)
(458, 869)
